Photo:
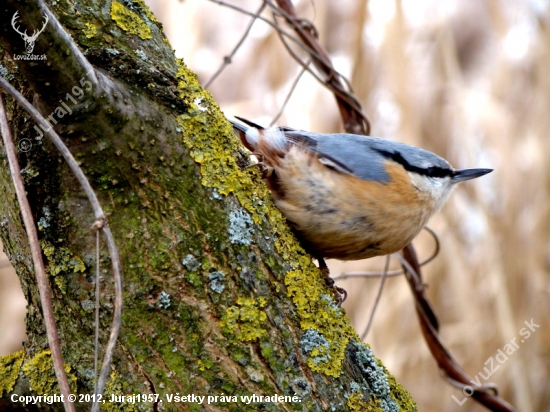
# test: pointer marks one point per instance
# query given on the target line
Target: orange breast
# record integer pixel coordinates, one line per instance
(343, 217)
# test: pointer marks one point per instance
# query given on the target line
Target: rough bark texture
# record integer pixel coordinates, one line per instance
(219, 298)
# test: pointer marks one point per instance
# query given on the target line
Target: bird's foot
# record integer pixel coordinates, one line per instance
(340, 293)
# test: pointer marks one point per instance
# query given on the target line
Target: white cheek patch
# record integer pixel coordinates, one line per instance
(275, 139)
(439, 188)
(252, 136)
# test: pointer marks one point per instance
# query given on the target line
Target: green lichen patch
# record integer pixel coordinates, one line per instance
(129, 21)
(117, 388)
(240, 228)
(316, 346)
(377, 376)
(39, 370)
(10, 365)
(245, 320)
(61, 261)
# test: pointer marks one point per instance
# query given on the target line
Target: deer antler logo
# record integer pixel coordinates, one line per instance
(29, 40)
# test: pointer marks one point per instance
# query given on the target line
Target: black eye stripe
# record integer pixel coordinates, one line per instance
(432, 171)
(436, 172)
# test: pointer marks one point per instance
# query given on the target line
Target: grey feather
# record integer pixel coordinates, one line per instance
(364, 156)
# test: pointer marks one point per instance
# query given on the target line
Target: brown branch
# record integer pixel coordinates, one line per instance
(486, 394)
(36, 252)
(350, 108)
(339, 93)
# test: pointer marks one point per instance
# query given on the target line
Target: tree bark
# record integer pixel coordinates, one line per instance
(220, 300)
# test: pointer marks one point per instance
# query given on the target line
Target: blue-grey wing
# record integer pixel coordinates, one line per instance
(364, 156)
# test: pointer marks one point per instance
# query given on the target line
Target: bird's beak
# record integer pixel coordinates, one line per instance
(467, 174)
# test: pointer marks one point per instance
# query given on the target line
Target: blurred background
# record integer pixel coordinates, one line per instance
(466, 79)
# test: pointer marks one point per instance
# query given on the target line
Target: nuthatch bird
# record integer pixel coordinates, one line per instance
(349, 196)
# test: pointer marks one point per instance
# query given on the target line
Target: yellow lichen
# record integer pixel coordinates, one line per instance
(10, 365)
(61, 260)
(356, 403)
(318, 311)
(245, 320)
(42, 380)
(200, 365)
(129, 21)
(90, 30)
(146, 10)
(402, 397)
(216, 155)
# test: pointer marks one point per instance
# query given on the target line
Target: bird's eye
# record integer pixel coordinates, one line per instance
(435, 171)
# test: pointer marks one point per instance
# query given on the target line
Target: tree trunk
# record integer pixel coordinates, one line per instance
(220, 301)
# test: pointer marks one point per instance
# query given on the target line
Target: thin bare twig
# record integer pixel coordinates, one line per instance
(36, 252)
(350, 275)
(100, 223)
(289, 94)
(393, 273)
(437, 246)
(282, 32)
(227, 59)
(67, 40)
(96, 337)
(117, 318)
(377, 300)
